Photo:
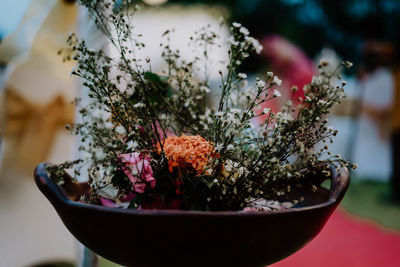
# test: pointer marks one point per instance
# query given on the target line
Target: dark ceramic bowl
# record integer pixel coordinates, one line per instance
(190, 238)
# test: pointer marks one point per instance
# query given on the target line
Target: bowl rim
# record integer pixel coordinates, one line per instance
(55, 194)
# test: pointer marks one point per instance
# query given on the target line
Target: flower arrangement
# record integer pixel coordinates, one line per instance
(151, 141)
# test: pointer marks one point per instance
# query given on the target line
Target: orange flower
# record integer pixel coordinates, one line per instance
(188, 151)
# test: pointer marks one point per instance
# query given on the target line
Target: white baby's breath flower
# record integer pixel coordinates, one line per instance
(348, 64)
(233, 170)
(86, 156)
(257, 46)
(229, 147)
(231, 41)
(244, 30)
(274, 160)
(129, 91)
(204, 89)
(101, 114)
(242, 75)
(120, 130)
(260, 84)
(139, 105)
(99, 154)
(277, 93)
(316, 81)
(131, 145)
(277, 81)
(98, 113)
(108, 125)
(109, 170)
(254, 43)
(219, 147)
(236, 24)
(122, 89)
(266, 110)
(174, 83)
(230, 118)
(243, 83)
(235, 110)
(109, 191)
(219, 114)
(270, 74)
(286, 117)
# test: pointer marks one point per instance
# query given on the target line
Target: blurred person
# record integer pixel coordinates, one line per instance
(36, 89)
(372, 143)
(36, 85)
(395, 133)
(291, 65)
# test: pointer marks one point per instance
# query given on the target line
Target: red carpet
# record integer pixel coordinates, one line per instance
(347, 241)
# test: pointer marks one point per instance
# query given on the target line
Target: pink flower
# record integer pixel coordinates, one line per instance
(123, 203)
(138, 169)
(250, 209)
(107, 202)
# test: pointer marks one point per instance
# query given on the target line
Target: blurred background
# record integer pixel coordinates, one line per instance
(36, 90)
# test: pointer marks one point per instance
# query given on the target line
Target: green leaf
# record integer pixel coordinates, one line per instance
(160, 87)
